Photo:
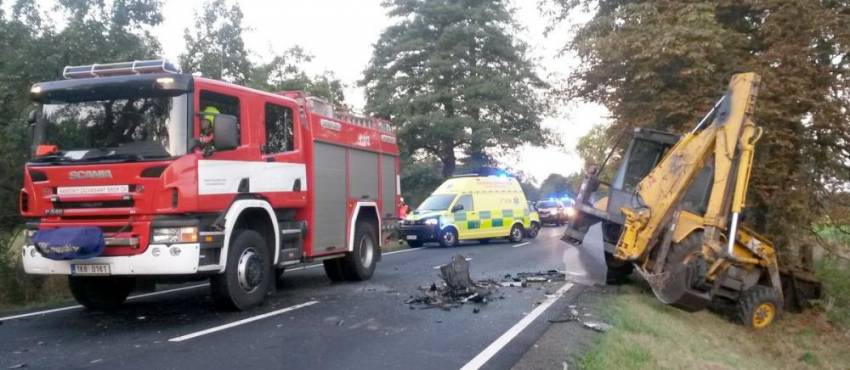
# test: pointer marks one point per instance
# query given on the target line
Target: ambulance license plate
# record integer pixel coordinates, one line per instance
(411, 237)
(90, 269)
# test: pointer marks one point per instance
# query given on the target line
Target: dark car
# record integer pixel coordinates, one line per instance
(552, 212)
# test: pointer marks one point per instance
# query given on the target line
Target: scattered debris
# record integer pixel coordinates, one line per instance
(597, 326)
(458, 288)
(18, 366)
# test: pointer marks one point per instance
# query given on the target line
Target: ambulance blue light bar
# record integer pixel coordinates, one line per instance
(135, 67)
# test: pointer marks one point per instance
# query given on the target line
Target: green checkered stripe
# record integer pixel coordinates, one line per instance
(487, 219)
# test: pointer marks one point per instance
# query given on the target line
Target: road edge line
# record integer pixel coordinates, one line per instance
(240, 322)
(478, 361)
(520, 245)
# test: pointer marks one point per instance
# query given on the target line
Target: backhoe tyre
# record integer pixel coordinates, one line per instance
(248, 275)
(618, 271)
(683, 261)
(533, 231)
(758, 307)
(359, 264)
(448, 237)
(333, 269)
(414, 243)
(517, 234)
(101, 293)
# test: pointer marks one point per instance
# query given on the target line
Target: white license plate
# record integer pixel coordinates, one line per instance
(90, 269)
(88, 190)
(411, 237)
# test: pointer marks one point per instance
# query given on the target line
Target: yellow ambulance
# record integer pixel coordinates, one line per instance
(472, 207)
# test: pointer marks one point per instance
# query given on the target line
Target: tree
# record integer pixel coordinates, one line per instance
(662, 64)
(215, 46)
(286, 72)
(450, 74)
(556, 186)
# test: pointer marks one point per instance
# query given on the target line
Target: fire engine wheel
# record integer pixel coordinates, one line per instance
(758, 307)
(532, 231)
(359, 264)
(448, 237)
(517, 233)
(100, 293)
(248, 274)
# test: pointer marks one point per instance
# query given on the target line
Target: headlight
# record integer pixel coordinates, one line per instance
(170, 235)
(432, 221)
(570, 211)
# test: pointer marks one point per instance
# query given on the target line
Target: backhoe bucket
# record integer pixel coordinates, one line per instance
(585, 263)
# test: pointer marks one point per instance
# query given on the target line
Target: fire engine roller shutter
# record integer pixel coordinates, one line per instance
(363, 171)
(388, 190)
(329, 185)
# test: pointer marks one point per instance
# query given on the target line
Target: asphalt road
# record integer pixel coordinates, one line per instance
(310, 323)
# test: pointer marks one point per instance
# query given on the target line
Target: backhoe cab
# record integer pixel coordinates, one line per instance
(669, 212)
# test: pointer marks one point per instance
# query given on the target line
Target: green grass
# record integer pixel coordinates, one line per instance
(650, 335)
(835, 275)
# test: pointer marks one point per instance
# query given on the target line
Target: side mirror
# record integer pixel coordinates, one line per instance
(225, 132)
(457, 207)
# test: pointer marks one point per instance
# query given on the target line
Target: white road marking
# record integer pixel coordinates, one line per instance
(403, 250)
(521, 244)
(501, 342)
(60, 309)
(241, 322)
(466, 258)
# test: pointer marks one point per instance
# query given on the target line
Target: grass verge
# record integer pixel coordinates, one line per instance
(650, 335)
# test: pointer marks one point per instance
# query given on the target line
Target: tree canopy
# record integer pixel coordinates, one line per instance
(662, 64)
(455, 80)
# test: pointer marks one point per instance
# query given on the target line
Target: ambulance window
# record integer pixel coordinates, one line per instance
(279, 129)
(466, 202)
(216, 103)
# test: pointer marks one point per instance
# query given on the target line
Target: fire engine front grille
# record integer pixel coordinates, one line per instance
(124, 203)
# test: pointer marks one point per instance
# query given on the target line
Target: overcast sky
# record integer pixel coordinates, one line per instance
(341, 33)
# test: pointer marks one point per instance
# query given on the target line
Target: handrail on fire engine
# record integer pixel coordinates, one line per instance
(135, 67)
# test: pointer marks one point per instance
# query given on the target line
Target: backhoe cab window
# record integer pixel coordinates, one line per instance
(644, 157)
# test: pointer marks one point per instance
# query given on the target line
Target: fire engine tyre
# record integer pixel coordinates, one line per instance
(247, 277)
(333, 269)
(359, 264)
(101, 293)
(758, 307)
(532, 231)
(517, 233)
(448, 237)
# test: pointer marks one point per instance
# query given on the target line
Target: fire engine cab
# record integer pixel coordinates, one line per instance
(142, 172)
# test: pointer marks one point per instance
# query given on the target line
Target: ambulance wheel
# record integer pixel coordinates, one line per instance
(517, 233)
(414, 243)
(100, 293)
(532, 231)
(448, 237)
(359, 264)
(248, 274)
(758, 307)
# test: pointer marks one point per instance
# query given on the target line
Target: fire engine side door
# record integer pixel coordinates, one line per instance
(281, 142)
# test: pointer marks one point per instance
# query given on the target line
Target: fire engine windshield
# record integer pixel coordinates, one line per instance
(121, 129)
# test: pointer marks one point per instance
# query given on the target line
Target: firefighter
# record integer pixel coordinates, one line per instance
(207, 128)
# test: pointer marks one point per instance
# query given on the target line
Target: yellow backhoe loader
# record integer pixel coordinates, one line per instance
(673, 213)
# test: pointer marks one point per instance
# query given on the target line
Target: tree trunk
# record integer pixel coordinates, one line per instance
(449, 162)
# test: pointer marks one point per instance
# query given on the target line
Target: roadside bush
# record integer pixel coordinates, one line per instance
(19, 289)
(835, 275)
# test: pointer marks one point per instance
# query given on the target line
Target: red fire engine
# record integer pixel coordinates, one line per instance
(142, 172)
